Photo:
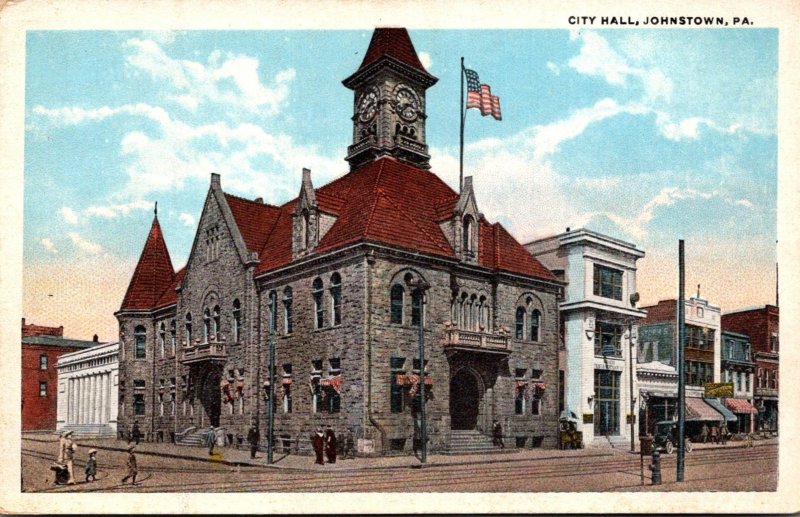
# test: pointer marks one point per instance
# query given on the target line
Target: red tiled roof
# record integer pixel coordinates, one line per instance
(389, 202)
(170, 296)
(254, 219)
(392, 42)
(153, 273)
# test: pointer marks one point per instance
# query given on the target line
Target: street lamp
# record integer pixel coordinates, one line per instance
(633, 299)
(420, 286)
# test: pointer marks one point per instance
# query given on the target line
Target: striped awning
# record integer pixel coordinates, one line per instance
(740, 406)
(699, 411)
(720, 407)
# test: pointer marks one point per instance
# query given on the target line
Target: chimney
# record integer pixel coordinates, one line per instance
(94, 338)
(259, 200)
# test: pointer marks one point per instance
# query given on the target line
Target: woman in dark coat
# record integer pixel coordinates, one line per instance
(318, 441)
(330, 445)
(131, 464)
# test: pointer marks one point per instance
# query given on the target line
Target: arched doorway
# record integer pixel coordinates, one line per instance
(210, 396)
(464, 400)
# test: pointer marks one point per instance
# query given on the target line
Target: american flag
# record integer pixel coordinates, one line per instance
(479, 96)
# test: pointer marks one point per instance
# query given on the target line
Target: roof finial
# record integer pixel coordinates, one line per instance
(698, 290)
(155, 210)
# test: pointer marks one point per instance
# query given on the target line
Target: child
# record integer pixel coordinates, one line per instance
(91, 466)
(132, 470)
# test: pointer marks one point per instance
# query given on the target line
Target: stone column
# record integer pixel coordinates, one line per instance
(102, 406)
(86, 392)
(78, 400)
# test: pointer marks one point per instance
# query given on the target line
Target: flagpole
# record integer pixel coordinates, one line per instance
(461, 147)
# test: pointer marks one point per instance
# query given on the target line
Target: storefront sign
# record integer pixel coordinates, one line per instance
(719, 389)
(630, 419)
(588, 418)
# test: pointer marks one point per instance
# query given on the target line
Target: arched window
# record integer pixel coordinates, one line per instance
(305, 234)
(206, 325)
(273, 309)
(139, 341)
(215, 324)
(237, 320)
(467, 235)
(189, 329)
(535, 317)
(397, 303)
(483, 320)
(287, 310)
(162, 337)
(173, 337)
(519, 325)
(336, 299)
(319, 319)
(416, 308)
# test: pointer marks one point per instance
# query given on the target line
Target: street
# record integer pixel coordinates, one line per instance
(733, 468)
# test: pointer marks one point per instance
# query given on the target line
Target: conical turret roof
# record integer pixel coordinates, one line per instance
(153, 274)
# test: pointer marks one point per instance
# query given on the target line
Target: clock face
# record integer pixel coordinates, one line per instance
(406, 103)
(368, 106)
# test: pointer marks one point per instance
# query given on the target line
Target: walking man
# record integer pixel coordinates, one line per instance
(253, 437)
(330, 444)
(497, 434)
(211, 440)
(131, 465)
(318, 442)
(704, 433)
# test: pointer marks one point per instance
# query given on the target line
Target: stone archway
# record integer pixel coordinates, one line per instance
(465, 398)
(209, 393)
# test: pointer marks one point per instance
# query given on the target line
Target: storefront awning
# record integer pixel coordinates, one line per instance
(717, 405)
(740, 406)
(699, 411)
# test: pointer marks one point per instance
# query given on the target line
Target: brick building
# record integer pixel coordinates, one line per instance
(760, 324)
(41, 348)
(334, 277)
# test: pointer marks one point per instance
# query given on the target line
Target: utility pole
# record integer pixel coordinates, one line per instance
(681, 362)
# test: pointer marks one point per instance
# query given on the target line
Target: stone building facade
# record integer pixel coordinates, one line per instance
(333, 278)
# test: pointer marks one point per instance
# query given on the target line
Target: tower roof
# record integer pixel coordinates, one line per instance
(153, 274)
(393, 44)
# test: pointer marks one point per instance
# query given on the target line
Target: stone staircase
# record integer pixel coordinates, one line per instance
(193, 437)
(472, 442)
(89, 430)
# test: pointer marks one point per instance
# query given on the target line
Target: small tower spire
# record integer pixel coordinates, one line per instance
(155, 210)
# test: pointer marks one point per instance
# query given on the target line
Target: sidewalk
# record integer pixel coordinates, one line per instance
(293, 462)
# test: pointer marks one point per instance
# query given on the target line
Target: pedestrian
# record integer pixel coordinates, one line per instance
(714, 434)
(211, 440)
(318, 442)
(131, 464)
(704, 433)
(349, 445)
(66, 455)
(723, 433)
(330, 444)
(497, 434)
(91, 466)
(253, 437)
(136, 434)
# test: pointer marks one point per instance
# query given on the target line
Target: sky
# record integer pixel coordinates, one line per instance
(649, 136)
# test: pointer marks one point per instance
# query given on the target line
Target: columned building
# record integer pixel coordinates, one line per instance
(599, 318)
(339, 280)
(87, 391)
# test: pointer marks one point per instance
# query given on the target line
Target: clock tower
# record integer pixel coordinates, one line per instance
(389, 102)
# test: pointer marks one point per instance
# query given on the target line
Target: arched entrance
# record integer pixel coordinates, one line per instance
(465, 397)
(210, 396)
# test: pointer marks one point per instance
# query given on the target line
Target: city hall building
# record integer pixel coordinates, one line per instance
(340, 280)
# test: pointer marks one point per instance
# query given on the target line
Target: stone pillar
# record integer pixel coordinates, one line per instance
(85, 400)
(77, 400)
(103, 397)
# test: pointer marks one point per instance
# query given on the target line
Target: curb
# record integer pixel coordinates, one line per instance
(239, 463)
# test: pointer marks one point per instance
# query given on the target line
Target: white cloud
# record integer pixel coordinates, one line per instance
(68, 215)
(113, 211)
(228, 78)
(745, 203)
(48, 245)
(84, 245)
(689, 128)
(187, 219)
(553, 68)
(426, 60)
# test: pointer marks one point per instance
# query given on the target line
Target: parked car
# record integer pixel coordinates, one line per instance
(666, 437)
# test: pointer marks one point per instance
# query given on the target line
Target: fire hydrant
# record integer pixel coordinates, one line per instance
(655, 468)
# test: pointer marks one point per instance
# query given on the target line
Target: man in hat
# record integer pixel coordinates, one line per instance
(211, 440)
(66, 454)
(91, 466)
(318, 442)
(330, 444)
(253, 437)
(131, 464)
